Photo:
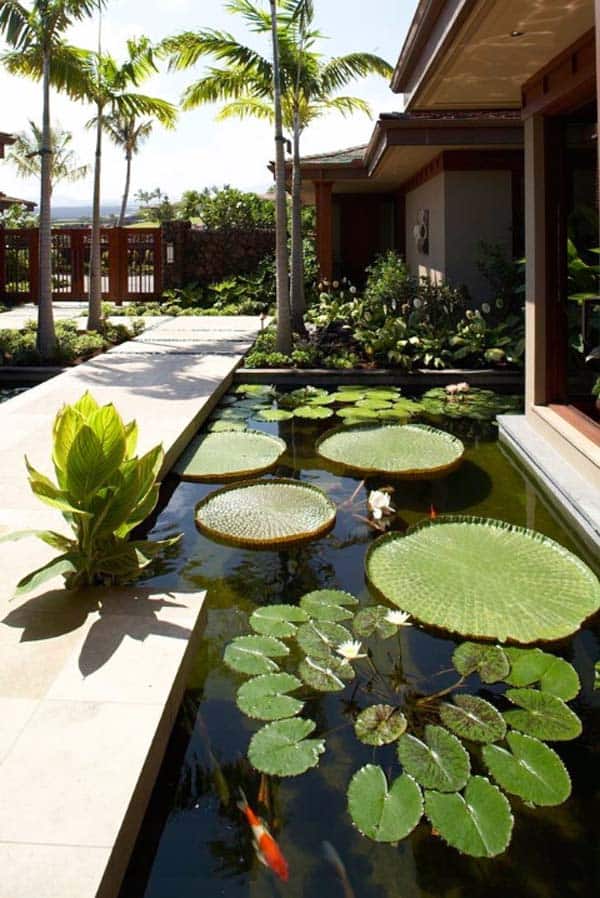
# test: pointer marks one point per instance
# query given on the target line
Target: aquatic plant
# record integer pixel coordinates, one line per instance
(454, 401)
(442, 740)
(227, 455)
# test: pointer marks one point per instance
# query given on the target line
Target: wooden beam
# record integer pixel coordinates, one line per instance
(324, 203)
(565, 82)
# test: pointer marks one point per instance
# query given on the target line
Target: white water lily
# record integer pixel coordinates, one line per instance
(452, 389)
(379, 504)
(463, 387)
(351, 650)
(398, 618)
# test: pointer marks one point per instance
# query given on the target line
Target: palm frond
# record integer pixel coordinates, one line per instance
(132, 104)
(341, 70)
(345, 105)
(223, 85)
(257, 19)
(247, 107)
(15, 23)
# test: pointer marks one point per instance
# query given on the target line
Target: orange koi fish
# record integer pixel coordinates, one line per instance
(267, 849)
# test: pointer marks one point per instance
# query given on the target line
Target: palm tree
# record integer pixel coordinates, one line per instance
(35, 34)
(108, 89)
(64, 165)
(309, 87)
(129, 133)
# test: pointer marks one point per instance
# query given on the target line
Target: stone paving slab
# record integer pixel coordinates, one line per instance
(89, 692)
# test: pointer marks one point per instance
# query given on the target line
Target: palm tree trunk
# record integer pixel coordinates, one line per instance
(297, 301)
(46, 337)
(126, 190)
(284, 324)
(94, 322)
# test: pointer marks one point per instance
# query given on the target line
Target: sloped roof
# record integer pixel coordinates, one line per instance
(7, 201)
(337, 157)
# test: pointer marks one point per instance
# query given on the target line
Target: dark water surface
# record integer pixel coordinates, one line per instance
(194, 842)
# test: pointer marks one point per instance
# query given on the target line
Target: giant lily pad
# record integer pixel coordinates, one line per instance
(479, 824)
(266, 697)
(471, 717)
(542, 715)
(222, 456)
(278, 620)
(439, 763)
(382, 813)
(555, 675)
(412, 451)
(531, 770)
(484, 578)
(380, 725)
(262, 513)
(254, 654)
(283, 749)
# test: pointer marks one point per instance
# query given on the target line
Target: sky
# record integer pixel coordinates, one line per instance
(202, 152)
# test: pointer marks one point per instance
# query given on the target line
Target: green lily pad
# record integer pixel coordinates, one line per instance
(386, 393)
(479, 824)
(227, 427)
(256, 390)
(354, 412)
(471, 717)
(484, 578)
(278, 620)
(222, 456)
(489, 661)
(326, 674)
(327, 399)
(254, 654)
(376, 404)
(555, 675)
(531, 770)
(283, 749)
(373, 620)
(328, 604)
(412, 451)
(232, 413)
(313, 412)
(380, 725)
(348, 395)
(320, 638)
(543, 715)
(274, 414)
(440, 763)
(382, 813)
(266, 698)
(262, 513)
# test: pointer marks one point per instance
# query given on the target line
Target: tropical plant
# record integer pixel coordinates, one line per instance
(226, 208)
(18, 216)
(128, 133)
(35, 35)
(155, 206)
(104, 491)
(26, 156)
(19, 347)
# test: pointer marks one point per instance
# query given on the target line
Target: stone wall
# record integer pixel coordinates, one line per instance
(194, 256)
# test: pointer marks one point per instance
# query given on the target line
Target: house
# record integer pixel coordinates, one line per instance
(539, 60)
(7, 201)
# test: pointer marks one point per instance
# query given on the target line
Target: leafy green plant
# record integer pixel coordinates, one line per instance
(104, 492)
(72, 345)
(224, 208)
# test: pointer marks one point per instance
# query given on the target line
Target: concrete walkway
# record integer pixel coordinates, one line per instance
(88, 694)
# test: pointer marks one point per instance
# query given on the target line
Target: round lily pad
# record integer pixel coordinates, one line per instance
(266, 697)
(347, 395)
(531, 770)
(412, 451)
(489, 661)
(222, 456)
(278, 620)
(471, 717)
(555, 675)
(254, 654)
(328, 604)
(283, 749)
(542, 715)
(262, 513)
(375, 404)
(227, 426)
(313, 412)
(326, 674)
(373, 620)
(320, 638)
(380, 725)
(255, 389)
(385, 393)
(479, 824)
(274, 414)
(355, 412)
(380, 812)
(484, 578)
(440, 763)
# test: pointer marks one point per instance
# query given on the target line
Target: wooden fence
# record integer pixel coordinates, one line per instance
(131, 264)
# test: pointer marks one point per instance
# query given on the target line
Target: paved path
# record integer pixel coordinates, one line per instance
(87, 695)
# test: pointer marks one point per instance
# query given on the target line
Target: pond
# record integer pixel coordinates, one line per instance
(194, 840)
(10, 392)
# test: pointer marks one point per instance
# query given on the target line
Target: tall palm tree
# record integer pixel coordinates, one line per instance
(64, 165)
(35, 34)
(108, 88)
(310, 86)
(129, 133)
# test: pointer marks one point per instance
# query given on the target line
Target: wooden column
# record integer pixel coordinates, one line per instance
(323, 195)
(34, 265)
(400, 199)
(77, 264)
(2, 264)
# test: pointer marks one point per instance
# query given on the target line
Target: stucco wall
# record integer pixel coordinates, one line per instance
(431, 196)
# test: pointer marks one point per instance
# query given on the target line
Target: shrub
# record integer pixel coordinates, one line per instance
(226, 208)
(18, 347)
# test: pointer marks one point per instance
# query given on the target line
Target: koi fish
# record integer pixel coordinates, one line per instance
(267, 849)
(338, 865)
(432, 513)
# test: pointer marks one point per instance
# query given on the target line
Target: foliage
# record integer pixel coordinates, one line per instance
(505, 276)
(19, 347)
(155, 206)
(596, 388)
(104, 492)
(227, 208)
(64, 166)
(18, 216)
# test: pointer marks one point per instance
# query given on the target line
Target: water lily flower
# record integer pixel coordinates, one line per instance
(379, 504)
(351, 650)
(452, 389)
(463, 387)
(398, 618)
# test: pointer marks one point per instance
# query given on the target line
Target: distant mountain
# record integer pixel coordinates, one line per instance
(84, 213)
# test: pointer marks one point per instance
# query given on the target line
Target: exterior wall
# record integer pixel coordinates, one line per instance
(431, 196)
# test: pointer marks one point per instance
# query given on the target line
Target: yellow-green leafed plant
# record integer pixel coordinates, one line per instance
(104, 491)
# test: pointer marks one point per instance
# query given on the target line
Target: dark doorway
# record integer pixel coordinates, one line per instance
(364, 227)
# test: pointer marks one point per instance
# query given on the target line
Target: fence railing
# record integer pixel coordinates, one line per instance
(131, 264)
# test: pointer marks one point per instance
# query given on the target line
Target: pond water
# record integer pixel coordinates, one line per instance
(194, 840)
(10, 392)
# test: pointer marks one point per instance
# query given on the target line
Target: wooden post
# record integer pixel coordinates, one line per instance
(158, 264)
(2, 264)
(77, 264)
(34, 265)
(324, 203)
(400, 224)
(537, 261)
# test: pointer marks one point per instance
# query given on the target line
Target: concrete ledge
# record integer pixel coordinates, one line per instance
(489, 378)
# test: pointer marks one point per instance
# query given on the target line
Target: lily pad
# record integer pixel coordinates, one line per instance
(266, 698)
(354, 412)
(256, 390)
(555, 675)
(376, 404)
(326, 674)
(262, 513)
(274, 414)
(440, 763)
(373, 620)
(542, 715)
(380, 725)
(313, 412)
(479, 824)
(320, 638)
(413, 451)
(254, 654)
(227, 427)
(278, 620)
(348, 395)
(489, 661)
(222, 456)
(328, 604)
(471, 717)
(283, 749)
(531, 770)
(484, 578)
(382, 813)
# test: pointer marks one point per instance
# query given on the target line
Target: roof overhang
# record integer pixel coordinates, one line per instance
(7, 201)
(5, 140)
(462, 54)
